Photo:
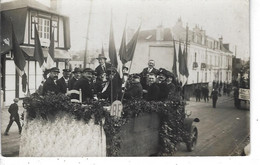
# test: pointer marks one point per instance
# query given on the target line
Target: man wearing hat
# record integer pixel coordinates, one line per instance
(112, 89)
(84, 83)
(164, 91)
(14, 116)
(103, 66)
(76, 76)
(63, 82)
(50, 84)
(135, 90)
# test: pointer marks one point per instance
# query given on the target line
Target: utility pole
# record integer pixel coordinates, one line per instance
(86, 47)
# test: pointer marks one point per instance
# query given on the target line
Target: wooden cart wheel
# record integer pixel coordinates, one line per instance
(192, 139)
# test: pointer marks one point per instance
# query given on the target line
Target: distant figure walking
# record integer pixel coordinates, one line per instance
(214, 96)
(13, 110)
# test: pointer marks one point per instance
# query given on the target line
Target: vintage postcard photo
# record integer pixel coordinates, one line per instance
(128, 78)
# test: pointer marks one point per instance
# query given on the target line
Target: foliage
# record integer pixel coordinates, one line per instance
(171, 114)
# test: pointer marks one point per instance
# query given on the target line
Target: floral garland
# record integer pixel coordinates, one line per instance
(171, 113)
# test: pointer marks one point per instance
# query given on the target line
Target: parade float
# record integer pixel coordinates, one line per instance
(55, 126)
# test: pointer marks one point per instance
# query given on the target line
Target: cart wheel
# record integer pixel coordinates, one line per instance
(192, 139)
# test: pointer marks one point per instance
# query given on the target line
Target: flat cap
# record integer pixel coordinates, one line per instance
(55, 69)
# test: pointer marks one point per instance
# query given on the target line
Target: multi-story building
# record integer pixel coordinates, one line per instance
(24, 14)
(208, 59)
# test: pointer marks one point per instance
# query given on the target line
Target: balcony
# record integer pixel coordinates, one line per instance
(203, 66)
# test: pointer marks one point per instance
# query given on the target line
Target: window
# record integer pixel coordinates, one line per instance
(45, 25)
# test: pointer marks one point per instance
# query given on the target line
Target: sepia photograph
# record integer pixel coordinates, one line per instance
(125, 78)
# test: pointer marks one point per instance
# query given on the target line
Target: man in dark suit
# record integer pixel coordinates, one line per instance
(214, 96)
(50, 85)
(103, 66)
(84, 83)
(135, 89)
(146, 71)
(164, 90)
(14, 116)
(112, 88)
(63, 82)
(76, 76)
(153, 89)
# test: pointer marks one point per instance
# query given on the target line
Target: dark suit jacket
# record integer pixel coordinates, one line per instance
(134, 91)
(153, 92)
(99, 69)
(72, 82)
(13, 110)
(49, 85)
(85, 87)
(62, 85)
(144, 76)
(164, 91)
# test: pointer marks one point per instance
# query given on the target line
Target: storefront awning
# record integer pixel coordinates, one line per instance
(59, 54)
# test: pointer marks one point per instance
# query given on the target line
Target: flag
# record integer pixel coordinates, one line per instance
(181, 61)
(38, 53)
(50, 58)
(174, 66)
(112, 47)
(130, 47)
(186, 73)
(6, 34)
(122, 50)
(19, 58)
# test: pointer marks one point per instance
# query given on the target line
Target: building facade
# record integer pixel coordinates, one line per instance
(24, 15)
(208, 59)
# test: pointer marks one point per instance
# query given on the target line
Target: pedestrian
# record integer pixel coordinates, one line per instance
(214, 96)
(63, 82)
(197, 94)
(50, 84)
(14, 116)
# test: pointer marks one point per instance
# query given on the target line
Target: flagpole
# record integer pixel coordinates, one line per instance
(130, 68)
(86, 47)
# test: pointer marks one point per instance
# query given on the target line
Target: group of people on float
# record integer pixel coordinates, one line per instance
(105, 83)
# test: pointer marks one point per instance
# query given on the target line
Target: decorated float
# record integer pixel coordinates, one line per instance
(55, 126)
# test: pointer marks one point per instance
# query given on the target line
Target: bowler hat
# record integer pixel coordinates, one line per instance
(88, 70)
(55, 69)
(66, 70)
(77, 70)
(100, 56)
(135, 76)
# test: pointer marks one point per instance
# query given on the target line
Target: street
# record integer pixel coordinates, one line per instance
(222, 130)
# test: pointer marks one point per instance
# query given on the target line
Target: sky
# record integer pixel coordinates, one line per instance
(226, 18)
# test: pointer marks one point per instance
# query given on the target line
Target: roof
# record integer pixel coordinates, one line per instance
(59, 54)
(150, 35)
(17, 4)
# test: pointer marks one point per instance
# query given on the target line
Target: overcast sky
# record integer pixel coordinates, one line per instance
(227, 18)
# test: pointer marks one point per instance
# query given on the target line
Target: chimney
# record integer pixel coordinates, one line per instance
(220, 42)
(55, 4)
(159, 33)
